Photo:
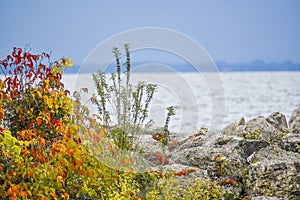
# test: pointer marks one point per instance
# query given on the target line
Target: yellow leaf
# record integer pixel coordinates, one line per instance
(67, 62)
(59, 180)
(39, 93)
(56, 70)
(47, 84)
(7, 132)
(2, 85)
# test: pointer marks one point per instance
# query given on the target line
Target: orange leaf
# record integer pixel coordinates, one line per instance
(9, 191)
(93, 99)
(104, 131)
(1, 113)
(124, 161)
(231, 181)
(53, 195)
(42, 141)
(48, 116)
(25, 151)
(81, 172)
(30, 174)
(39, 121)
(24, 194)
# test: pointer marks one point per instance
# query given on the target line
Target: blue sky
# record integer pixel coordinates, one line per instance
(230, 31)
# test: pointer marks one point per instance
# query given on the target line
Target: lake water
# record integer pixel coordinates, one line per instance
(212, 99)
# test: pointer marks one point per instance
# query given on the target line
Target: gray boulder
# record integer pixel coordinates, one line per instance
(233, 128)
(291, 142)
(219, 154)
(259, 128)
(263, 128)
(152, 150)
(294, 121)
(278, 120)
(273, 172)
(265, 198)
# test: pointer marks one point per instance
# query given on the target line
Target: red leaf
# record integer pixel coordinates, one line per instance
(67, 92)
(9, 57)
(58, 75)
(35, 57)
(29, 75)
(46, 55)
(30, 64)
(4, 63)
(85, 90)
(40, 75)
(19, 51)
(14, 52)
(56, 122)
(16, 84)
(18, 60)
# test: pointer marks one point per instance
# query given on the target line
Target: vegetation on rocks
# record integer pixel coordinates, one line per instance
(255, 135)
(51, 147)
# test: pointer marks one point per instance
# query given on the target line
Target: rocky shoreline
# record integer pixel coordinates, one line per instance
(259, 158)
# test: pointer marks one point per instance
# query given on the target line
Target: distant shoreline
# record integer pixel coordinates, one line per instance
(255, 66)
(235, 71)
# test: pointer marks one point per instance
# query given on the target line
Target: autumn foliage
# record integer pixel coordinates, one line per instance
(42, 156)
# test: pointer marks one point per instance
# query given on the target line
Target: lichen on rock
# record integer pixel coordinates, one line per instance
(274, 172)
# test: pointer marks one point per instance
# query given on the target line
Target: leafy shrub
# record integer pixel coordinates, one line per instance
(32, 94)
(170, 188)
(42, 155)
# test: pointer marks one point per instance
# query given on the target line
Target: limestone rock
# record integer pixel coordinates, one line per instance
(265, 198)
(294, 121)
(219, 154)
(291, 142)
(277, 120)
(232, 128)
(274, 172)
(258, 128)
(261, 126)
(152, 150)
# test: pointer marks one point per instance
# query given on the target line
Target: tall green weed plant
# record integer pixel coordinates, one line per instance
(130, 103)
